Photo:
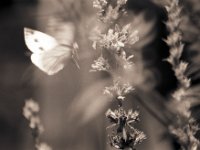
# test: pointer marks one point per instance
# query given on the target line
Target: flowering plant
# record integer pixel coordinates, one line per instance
(114, 43)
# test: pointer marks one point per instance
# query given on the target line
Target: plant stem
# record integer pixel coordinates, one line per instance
(151, 112)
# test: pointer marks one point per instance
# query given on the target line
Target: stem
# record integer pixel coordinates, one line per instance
(151, 112)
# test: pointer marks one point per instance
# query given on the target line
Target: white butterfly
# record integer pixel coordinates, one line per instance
(48, 54)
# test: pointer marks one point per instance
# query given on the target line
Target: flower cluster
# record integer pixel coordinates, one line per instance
(31, 113)
(118, 89)
(116, 39)
(109, 10)
(100, 4)
(124, 135)
(43, 146)
(187, 136)
(180, 74)
(101, 64)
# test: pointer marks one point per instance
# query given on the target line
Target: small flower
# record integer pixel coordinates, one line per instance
(100, 64)
(139, 136)
(30, 108)
(124, 135)
(186, 135)
(35, 123)
(111, 14)
(118, 89)
(107, 12)
(132, 139)
(125, 61)
(120, 115)
(173, 38)
(43, 146)
(115, 39)
(175, 54)
(100, 4)
(179, 94)
(180, 74)
(181, 104)
(174, 16)
(121, 2)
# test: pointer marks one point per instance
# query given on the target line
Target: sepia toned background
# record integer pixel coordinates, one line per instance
(72, 106)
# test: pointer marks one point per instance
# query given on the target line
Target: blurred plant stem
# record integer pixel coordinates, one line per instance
(151, 111)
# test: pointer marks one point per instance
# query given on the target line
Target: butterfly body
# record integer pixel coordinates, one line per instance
(47, 53)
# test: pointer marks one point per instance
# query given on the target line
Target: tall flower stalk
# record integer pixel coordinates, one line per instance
(115, 60)
(31, 113)
(185, 129)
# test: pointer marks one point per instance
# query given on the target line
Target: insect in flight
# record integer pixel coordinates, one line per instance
(47, 53)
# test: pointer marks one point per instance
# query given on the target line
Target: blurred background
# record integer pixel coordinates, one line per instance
(72, 106)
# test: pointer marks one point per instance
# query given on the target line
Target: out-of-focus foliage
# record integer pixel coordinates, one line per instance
(89, 103)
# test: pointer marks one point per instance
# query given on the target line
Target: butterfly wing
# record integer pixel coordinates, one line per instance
(51, 61)
(38, 42)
